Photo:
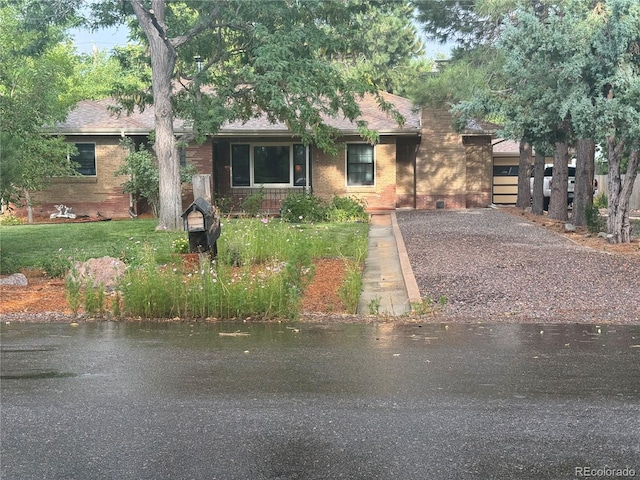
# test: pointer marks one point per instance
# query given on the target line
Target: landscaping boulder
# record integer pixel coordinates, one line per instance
(17, 279)
(104, 271)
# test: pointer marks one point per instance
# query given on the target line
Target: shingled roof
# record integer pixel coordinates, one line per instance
(95, 117)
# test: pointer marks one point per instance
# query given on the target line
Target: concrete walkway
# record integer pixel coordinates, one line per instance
(388, 284)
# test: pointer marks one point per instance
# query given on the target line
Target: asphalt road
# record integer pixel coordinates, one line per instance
(136, 401)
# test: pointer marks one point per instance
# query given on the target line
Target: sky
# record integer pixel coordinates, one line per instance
(107, 39)
(104, 39)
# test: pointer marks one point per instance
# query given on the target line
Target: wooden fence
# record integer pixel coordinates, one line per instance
(634, 203)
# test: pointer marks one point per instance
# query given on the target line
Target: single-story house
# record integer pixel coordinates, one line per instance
(422, 164)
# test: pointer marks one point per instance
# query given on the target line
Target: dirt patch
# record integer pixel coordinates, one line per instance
(44, 294)
(581, 236)
(321, 295)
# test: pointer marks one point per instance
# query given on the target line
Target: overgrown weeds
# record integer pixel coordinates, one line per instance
(262, 270)
(267, 290)
(427, 305)
(349, 291)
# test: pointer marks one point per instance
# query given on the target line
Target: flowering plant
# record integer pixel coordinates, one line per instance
(180, 245)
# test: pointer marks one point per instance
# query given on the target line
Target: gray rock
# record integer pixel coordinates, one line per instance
(569, 227)
(17, 279)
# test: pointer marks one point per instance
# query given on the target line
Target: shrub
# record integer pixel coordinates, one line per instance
(10, 219)
(224, 204)
(303, 208)
(347, 209)
(253, 203)
(601, 200)
(57, 266)
(180, 245)
(141, 169)
(595, 223)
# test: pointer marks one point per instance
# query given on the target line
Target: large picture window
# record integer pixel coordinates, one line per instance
(360, 166)
(85, 158)
(271, 164)
(268, 165)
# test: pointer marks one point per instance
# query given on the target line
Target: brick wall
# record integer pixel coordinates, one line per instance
(450, 172)
(440, 163)
(88, 195)
(478, 152)
(201, 157)
(330, 176)
(328, 172)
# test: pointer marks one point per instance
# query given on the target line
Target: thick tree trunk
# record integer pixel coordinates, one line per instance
(583, 193)
(618, 223)
(163, 59)
(538, 183)
(27, 200)
(559, 182)
(170, 195)
(524, 176)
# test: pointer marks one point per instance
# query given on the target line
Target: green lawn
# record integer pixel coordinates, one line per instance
(36, 246)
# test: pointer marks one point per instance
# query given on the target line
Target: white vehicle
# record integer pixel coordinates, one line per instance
(546, 186)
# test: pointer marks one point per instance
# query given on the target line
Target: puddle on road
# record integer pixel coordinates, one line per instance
(239, 358)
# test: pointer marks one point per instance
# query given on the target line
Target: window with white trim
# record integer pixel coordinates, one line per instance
(262, 164)
(85, 158)
(360, 164)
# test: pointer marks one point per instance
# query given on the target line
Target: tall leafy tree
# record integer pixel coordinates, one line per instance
(589, 84)
(572, 78)
(614, 73)
(494, 25)
(101, 73)
(542, 65)
(35, 67)
(389, 51)
(275, 57)
(469, 24)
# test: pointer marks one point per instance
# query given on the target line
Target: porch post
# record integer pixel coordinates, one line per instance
(202, 187)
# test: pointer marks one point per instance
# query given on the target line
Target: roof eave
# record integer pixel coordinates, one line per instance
(123, 132)
(287, 133)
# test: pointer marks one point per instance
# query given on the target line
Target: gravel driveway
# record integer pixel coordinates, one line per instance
(494, 267)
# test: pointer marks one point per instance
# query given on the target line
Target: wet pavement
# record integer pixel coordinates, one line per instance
(279, 401)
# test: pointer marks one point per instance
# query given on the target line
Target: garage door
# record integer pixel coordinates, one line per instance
(505, 180)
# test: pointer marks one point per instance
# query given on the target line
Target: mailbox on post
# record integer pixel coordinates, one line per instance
(203, 226)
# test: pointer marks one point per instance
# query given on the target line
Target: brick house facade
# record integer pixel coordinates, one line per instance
(422, 164)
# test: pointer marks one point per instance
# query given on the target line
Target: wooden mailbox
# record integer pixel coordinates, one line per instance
(202, 224)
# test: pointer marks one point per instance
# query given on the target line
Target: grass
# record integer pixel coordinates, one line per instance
(262, 268)
(35, 246)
